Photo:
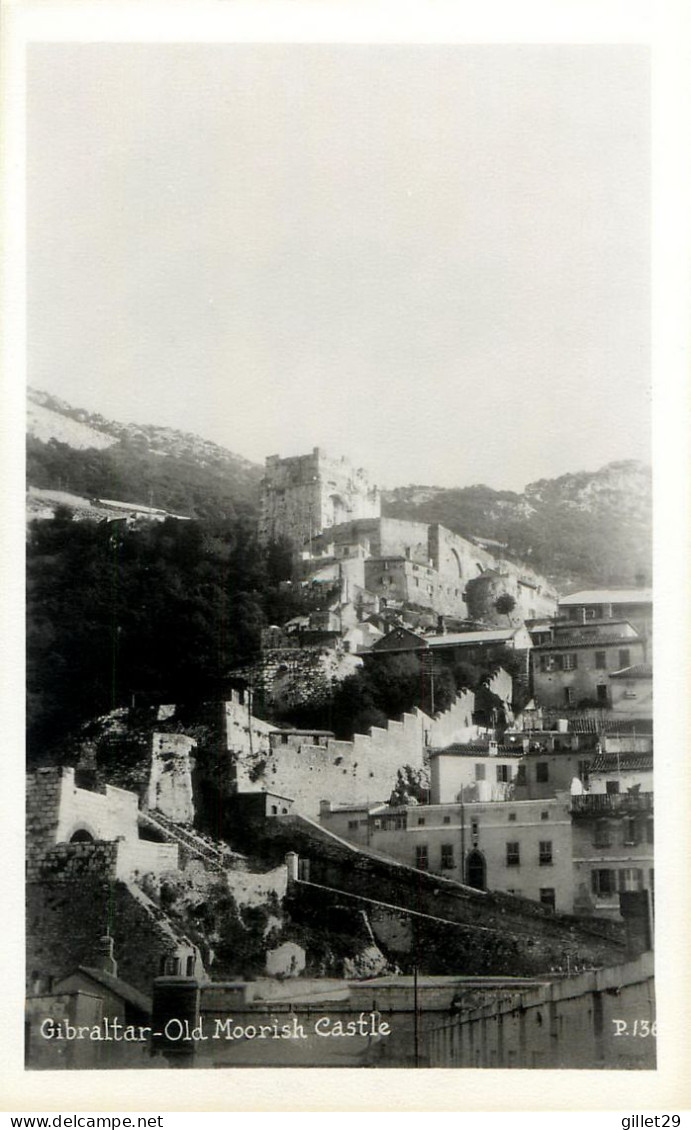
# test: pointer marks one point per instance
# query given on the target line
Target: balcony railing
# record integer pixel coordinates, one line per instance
(614, 804)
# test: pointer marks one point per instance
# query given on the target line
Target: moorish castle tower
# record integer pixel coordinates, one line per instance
(304, 495)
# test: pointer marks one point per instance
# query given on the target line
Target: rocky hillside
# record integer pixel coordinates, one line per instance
(82, 453)
(581, 529)
(586, 528)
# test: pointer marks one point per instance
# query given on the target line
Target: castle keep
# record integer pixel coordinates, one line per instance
(306, 494)
(332, 516)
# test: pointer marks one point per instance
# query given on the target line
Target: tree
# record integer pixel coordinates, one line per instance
(505, 605)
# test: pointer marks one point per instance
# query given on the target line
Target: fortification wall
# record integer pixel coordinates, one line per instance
(454, 724)
(360, 771)
(56, 809)
(455, 561)
(582, 1022)
(106, 859)
(170, 779)
(305, 494)
(244, 734)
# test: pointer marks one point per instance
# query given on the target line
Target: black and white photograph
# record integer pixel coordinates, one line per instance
(339, 556)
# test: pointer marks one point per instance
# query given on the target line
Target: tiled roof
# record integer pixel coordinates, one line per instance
(577, 640)
(572, 621)
(609, 596)
(636, 671)
(456, 638)
(470, 750)
(629, 726)
(125, 991)
(609, 762)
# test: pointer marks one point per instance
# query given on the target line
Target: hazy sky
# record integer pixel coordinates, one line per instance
(434, 260)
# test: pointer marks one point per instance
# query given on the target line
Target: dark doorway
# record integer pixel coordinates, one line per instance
(81, 836)
(475, 871)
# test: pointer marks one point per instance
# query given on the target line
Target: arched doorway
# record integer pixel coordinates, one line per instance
(475, 870)
(81, 836)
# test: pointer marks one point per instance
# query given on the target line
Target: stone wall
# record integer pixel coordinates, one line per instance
(305, 494)
(170, 780)
(581, 1022)
(455, 562)
(363, 770)
(57, 809)
(109, 859)
(457, 928)
(65, 921)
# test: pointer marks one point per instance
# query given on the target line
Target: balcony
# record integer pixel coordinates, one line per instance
(611, 804)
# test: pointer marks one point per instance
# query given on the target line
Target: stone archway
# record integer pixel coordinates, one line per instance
(81, 836)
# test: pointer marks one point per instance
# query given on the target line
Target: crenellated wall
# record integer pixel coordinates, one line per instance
(311, 768)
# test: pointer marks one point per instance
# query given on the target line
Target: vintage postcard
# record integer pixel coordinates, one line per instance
(350, 679)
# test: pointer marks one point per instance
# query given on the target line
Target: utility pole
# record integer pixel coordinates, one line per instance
(462, 837)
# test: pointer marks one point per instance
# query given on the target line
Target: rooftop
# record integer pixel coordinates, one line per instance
(493, 635)
(457, 749)
(575, 639)
(608, 596)
(631, 762)
(124, 990)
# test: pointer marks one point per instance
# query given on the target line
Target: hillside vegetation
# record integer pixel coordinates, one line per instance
(580, 530)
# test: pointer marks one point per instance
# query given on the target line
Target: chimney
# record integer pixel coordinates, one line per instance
(106, 962)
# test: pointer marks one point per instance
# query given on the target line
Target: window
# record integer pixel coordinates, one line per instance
(480, 772)
(603, 834)
(447, 857)
(544, 815)
(584, 771)
(353, 824)
(624, 657)
(315, 739)
(601, 660)
(503, 773)
(568, 696)
(513, 854)
(512, 817)
(421, 857)
(421, 821)
(545, 856)
(547, 897)
(604, 883)
(630, 833)
(446, 820)
(190, 966)
(570, 661)
(274, 810)
(542, 772)
(650, 831)
(612, 788)
(474, 827)
(601, 693)
(631, 879)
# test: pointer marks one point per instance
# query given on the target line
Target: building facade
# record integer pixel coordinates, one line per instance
(573, 669)
(522, 848)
